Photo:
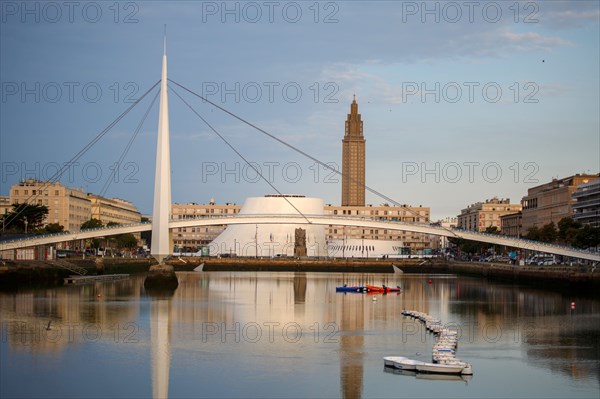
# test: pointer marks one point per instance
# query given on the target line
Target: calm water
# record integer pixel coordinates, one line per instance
(292, 335)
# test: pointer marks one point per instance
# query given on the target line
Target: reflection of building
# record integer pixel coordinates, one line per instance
(511, 224)
(586, 209)
(551, 201)
(352, 347)
(481, 215)
(353, 160)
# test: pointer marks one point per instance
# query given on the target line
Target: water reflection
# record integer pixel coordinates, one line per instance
(352, 345)
(201, 339)
(160, 323)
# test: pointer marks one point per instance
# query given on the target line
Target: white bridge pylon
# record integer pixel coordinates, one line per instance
(316, 220)
(161, 212)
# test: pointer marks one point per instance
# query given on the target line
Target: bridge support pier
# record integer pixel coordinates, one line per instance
(161, 277)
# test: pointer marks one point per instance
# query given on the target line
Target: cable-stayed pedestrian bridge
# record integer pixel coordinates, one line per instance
(308, 219)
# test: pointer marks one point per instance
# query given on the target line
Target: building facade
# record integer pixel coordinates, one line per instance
(481, 215)
(512, 224)
(5, 205)
(69, 207)
(192, 239)
(416, 242)
(353, 160)
(586, 208)
(550, 202)
(439, 243)
(114, 210)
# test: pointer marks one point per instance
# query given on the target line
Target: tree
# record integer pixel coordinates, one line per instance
(567, 229)
(91, 224)
(52, 228)
(587, 237)
(112, 224)
(126, 241)
(533, 233)
(548, 233)
(25, 214)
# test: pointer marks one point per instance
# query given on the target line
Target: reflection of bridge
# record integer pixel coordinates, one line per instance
(162, 224)
(316, 220)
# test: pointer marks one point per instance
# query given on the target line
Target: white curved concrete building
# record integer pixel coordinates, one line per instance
(271, 240)
(357, 248)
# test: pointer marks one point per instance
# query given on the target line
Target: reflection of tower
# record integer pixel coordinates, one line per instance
(300, 287)
(161, 347)
(351, 346)
(353, 160)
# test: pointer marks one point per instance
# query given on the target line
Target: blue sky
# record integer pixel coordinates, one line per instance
(460, 102)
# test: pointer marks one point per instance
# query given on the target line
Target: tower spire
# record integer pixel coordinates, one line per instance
(165, 42)
(353, 159)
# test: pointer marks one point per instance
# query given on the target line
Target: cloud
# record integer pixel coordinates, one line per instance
(528, 41)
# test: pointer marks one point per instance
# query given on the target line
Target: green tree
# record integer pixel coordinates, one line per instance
(25, 214)
(533, 233)
(567, 229)
(548, 233)
(587, 237)
(91, 224)
(52, 228)
(126, 241)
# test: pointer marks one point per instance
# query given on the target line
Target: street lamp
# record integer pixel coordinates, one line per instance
(26, 222)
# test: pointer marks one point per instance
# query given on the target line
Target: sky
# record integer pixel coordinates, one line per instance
(461, 101)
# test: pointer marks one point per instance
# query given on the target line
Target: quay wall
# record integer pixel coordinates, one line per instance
(19, 273)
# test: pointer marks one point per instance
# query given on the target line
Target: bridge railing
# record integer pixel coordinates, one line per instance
(70, 233)
(515, 240)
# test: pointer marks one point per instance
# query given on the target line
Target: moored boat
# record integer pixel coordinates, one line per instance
(439, 368)
(355, 288)
(384, 289)
(407, 364)
(389, 361)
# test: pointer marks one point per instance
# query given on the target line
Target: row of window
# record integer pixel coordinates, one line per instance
(36, 192)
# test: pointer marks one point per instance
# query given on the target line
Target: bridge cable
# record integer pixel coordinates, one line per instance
(325, 165)
(128, 147)
(241, 156)
(75, 158)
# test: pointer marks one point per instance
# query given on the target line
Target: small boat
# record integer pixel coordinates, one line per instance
(356, 288)
(384, 289)
(438, 368)
(389, 361)
(407, 364)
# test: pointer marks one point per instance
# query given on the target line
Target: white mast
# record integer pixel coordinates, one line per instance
(160, 247)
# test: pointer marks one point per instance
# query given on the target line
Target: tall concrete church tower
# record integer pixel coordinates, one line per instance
(353, 160)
